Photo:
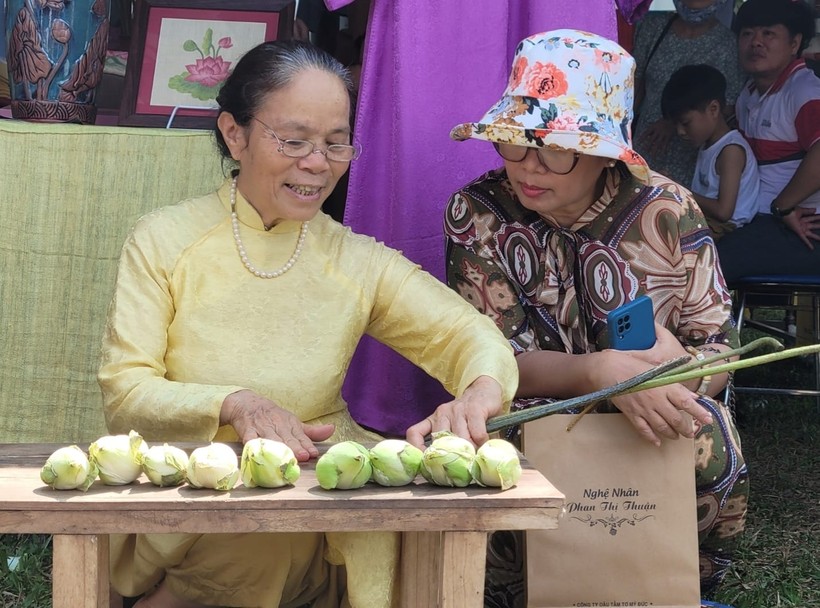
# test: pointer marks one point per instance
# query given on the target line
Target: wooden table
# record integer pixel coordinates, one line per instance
(444, 530)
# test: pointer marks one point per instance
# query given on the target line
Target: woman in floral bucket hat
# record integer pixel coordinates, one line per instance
(572, 226)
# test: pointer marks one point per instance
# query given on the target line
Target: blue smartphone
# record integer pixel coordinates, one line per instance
(632, 326)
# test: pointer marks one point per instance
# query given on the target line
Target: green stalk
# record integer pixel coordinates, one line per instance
(726, 367)
(539, 411)
(671, 372)
(766, 343)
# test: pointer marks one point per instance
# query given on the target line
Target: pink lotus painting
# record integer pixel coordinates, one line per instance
(203, 78)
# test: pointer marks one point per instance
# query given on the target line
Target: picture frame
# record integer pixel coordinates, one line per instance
(182, 50)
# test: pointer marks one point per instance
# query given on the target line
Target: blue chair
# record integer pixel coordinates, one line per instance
(780, 292)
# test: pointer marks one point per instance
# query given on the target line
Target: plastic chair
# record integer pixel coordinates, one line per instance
(780, 292)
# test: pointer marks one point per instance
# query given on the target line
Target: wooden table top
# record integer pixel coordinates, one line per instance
(29, 506)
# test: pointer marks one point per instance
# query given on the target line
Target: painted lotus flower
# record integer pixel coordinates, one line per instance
(60, 31)
(208, 71)
(203, 78)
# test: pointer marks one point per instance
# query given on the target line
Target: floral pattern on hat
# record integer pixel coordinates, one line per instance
(567, 89)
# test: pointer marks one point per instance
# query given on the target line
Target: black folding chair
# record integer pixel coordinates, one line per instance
(792, 294)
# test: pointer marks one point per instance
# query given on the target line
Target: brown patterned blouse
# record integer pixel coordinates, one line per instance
(550, 288)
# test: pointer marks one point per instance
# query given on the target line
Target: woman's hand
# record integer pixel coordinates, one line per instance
(253, 416)
(655, 413)
(666, 348)
(466, 416)
(657, 136)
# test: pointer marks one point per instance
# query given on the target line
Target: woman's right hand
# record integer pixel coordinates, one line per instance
(253, 416)
(655, 413)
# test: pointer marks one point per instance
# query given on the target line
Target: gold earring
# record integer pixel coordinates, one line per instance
(611, 164)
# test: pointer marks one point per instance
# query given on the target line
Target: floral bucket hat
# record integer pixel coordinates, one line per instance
(568, 89)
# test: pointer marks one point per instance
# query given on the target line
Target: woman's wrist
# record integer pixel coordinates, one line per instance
(486, 384)
(597, 368)
(486, 392)
(229, 405)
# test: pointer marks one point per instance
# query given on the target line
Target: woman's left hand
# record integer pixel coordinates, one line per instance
(666, 348)
(655, 413)
(465, 416)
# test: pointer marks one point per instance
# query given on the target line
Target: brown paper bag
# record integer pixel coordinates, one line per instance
(628, 535)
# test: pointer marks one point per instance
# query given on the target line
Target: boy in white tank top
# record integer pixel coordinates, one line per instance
(726, 180)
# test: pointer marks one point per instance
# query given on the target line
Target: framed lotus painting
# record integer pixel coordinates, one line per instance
(182, 51)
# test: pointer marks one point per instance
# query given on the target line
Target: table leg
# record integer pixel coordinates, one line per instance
(443, 569)
(420, 559)
(463, 562)
(80, 571)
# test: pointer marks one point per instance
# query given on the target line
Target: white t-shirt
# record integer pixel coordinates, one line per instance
(781, 125)
(706, 180)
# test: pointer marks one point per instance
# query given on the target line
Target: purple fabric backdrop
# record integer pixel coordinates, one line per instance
(428, 66)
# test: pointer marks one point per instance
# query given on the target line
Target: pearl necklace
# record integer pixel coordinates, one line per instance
(243, 255)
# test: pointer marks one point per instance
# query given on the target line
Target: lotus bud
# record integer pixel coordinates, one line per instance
(268, 464)
(345, 466)
(60, 31)
(395, 462)
(496, 464)
(118, 457)
(165, 465)
(447, 460)
(69, 469)
(213, 466)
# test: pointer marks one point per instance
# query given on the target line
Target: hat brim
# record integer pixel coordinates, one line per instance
(583, 142)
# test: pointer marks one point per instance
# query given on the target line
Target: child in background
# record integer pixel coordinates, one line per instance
(726, 180)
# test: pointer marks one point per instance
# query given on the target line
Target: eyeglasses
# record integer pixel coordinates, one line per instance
(559, 162)
(300, 148)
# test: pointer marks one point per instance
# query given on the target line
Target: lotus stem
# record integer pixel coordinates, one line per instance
(726, 367)
(766, 343)
(671, 372)
(539, 411)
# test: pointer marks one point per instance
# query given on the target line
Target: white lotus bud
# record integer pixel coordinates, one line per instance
(213, 466)
(496, 464)
(268, 464)
(165, 465)
(118, 457)
(395, 462)
(69, 469)
(447, 460)
(344, 466)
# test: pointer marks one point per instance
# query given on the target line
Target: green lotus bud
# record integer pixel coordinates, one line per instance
(118, 457)
(345, 466)
(69, 469)
(447, 460)
(213, 466)
(395, 462)
(496, 464)
(268, 464)
(165, 465)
